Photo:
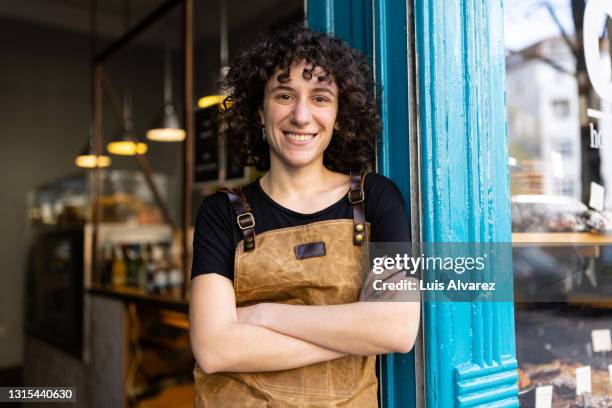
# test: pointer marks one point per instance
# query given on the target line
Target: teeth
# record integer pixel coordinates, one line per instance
(299, 138)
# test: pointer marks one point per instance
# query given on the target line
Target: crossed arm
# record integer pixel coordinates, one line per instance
(270, 336)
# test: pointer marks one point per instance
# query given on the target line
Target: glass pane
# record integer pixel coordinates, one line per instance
(560, 121)
(142, 86)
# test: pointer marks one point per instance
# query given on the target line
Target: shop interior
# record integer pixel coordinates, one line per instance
(97, 249)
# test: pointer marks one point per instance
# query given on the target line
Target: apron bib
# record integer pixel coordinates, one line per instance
(314, 264)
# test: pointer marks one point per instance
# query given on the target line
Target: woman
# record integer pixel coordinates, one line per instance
(276, 319)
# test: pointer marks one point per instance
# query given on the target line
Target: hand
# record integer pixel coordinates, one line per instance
(393, 275)
(249, 314)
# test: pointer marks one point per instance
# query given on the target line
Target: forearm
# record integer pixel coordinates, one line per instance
(362, 328)
(241, 347)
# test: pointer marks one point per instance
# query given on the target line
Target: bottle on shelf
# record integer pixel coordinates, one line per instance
(161, 272)
(175, 281)
(119, 270)
(175, 275)
(131, 261)
(143, 260)
(161, 281)
(155, 256)
(106, 268)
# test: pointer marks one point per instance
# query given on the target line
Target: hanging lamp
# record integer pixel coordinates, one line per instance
(211, 100)
(88, 157)
(88, 160)
(167, 126)
(125, 143)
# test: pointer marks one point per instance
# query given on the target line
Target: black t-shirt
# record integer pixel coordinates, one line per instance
(217, 233)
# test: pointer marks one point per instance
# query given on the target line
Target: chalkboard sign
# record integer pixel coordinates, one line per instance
(233, 171)
(213, 160)
(206, 161)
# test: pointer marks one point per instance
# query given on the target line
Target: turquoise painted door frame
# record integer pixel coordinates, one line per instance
(469, 347)
(464, 181)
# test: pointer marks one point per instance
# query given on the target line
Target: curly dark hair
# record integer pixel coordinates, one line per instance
(352, 146)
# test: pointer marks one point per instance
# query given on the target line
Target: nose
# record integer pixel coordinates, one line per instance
(301, 114)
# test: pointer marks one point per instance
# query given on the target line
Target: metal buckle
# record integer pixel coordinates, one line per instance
(361, 196)
(252, 219)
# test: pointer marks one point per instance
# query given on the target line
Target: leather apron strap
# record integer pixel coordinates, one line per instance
(244, 215)
(356, 197)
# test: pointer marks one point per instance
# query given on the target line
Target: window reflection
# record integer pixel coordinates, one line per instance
(560, 147)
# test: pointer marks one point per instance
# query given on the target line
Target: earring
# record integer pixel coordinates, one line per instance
(263, 133)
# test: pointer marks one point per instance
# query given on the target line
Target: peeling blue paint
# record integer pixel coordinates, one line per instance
(465, 193)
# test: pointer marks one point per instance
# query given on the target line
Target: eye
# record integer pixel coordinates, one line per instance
(321, 99)
(284, 97)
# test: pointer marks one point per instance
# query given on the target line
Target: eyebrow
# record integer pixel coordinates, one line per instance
(324, 89)
(288, 88)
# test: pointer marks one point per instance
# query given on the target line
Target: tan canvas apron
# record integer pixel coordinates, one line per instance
(314, 264)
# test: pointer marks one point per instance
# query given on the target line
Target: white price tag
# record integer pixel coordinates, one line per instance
(596, 200)
(583, 380)
(602, 341)
(543, 396)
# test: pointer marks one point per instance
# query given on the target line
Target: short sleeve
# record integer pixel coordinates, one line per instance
(386, 210)
(213, 242)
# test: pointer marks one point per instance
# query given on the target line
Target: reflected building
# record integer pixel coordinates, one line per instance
(544, 121)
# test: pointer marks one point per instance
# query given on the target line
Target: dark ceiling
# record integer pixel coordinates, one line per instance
(74, 15)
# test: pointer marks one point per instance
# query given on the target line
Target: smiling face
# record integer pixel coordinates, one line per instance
(299, 115)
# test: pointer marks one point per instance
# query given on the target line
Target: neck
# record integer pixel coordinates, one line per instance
(287, 180)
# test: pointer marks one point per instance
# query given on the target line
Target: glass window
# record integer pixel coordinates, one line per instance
(560, 124)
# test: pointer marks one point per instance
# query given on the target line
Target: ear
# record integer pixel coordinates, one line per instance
(261, 116)
(336, 126)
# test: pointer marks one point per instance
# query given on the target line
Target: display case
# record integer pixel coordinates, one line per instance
(124, 198)
(61, 249)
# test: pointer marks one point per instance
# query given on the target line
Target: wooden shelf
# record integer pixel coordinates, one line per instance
(560, 238)
(128, 294)
(594, 300)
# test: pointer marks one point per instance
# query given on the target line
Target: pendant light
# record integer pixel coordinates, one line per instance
(88, 160)
(211, 100)
(167, 126)
(88, 157)
(125, 143)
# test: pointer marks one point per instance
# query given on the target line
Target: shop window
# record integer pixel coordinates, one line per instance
(561, 209)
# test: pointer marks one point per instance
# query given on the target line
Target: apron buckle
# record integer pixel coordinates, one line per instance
(246, 217)
(360, 198)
